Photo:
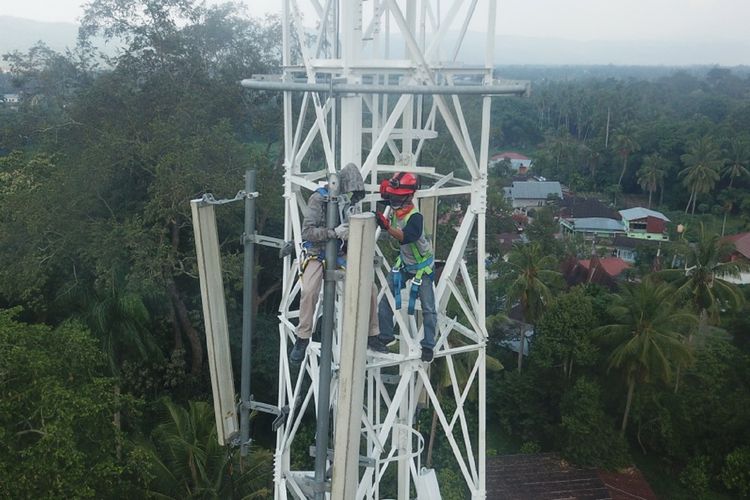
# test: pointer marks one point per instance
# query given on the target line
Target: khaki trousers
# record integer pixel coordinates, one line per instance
(312, 281)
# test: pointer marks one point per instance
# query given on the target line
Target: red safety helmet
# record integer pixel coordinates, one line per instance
(401, 184)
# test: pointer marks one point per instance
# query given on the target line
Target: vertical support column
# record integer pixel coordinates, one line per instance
(351, 105)
(281, 460)
(326, 342)
(481, 251)
(248, 318)
(357, 293)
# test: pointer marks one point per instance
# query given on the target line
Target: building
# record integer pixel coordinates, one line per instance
(604, 271)
(594, 220)
(535, 476)
(530, 194)
(741, 252)
(645, 224)
(593, 227)
(10, 100)
(573, 207)
(518, 162)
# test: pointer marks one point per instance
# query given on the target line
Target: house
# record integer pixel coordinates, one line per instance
(590, 218)
(645, 224)
(741, 251)
(518, 162)
(535, 476)
(529, 194)
(604, 271)
(627, 248)
(592, 227)
(574, 207)
(10, 100)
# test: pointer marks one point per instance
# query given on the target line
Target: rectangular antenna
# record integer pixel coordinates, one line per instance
(215, 320)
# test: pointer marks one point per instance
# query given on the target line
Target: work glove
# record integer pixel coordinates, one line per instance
(382, 221)
(342, 231)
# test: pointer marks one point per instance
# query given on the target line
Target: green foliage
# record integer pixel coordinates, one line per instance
(583, 417)
(563, 336)
(58, 438)
(184, 459)
(736, 471)
(646, 336)
(695, 477)
(530, 448)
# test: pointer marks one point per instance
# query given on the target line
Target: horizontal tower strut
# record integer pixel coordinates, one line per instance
(348, 88)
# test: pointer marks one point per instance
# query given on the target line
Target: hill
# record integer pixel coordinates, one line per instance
(21, 34)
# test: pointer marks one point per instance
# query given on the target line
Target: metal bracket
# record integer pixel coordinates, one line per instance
(281, 413)
(280, 419)
(259, 239)
(363, 461)
(334, 275)
(209, 199)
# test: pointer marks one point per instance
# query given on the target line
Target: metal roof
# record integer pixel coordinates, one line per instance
(535, 190)
(597, 224)
(641, 213)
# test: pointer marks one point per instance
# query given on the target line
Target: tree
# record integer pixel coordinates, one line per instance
(702, 168)
(534, 275)
(625, 144)
(563, 335)
(184, 459)
(583, 416)
(58, 438)
(738, 159)
(702, 282)
(645, 336)
(651, 174)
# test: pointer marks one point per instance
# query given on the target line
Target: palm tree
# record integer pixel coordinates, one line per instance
(700, 283)
(119, 318)
(625, 144)
(702, 166)
(186, 460)
(651, 174)
(646, 336)
(534, 275)
(738, 160)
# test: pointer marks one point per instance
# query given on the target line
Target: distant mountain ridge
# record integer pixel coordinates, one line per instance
(21, 34)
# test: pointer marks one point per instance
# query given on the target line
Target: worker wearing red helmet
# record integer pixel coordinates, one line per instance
(415, 260)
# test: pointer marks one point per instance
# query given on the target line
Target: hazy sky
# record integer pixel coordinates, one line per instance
(706, 20)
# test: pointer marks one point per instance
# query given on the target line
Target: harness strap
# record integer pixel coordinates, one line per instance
(396, 278)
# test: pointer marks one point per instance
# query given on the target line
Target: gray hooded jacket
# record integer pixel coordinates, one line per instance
(314, 230)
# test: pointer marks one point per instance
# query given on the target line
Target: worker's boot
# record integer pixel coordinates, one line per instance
(374, 344)
(298, 351)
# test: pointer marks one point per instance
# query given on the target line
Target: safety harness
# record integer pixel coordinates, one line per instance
(422, 267)
(307, 245)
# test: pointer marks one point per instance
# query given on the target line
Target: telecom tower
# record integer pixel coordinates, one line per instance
(365, 82)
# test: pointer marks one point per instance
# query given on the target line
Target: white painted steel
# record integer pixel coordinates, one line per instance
(357, 290)
(323, 132)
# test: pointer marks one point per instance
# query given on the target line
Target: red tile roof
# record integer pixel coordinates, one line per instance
(611, 265)
(628, 484)
(741, 243)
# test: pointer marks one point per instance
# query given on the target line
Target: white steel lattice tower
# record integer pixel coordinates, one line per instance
(365, 82)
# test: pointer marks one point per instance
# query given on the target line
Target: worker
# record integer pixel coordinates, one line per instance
(315, 233)
(415, 260)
